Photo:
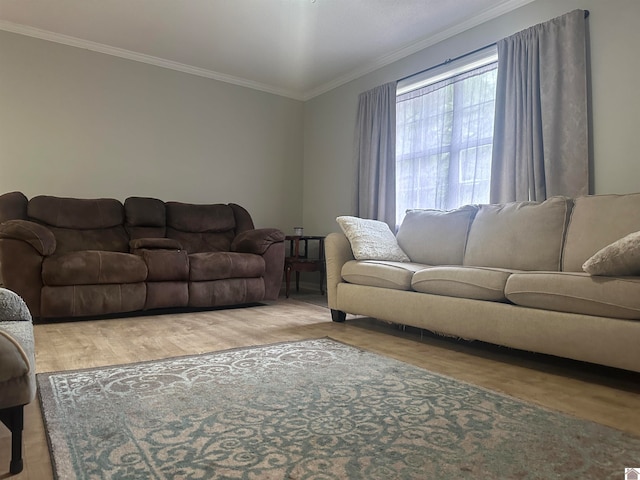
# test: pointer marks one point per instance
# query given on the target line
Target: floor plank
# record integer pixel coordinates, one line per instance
(607, 396)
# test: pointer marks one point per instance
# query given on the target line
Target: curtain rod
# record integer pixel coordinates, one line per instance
(448, 61)
(459, 57)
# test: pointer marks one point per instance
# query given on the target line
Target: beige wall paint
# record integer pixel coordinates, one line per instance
(329, 170)
(82, 124)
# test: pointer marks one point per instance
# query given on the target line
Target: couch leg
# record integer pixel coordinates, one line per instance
(13, 418)
(338, 315)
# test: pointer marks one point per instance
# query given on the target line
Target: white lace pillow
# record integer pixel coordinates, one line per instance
(371, 239)
(620, 258)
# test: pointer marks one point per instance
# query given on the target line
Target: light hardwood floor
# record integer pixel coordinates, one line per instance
(607, 396)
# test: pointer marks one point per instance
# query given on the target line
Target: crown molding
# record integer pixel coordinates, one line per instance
(412, 48)
(383, 61)
(140, 57)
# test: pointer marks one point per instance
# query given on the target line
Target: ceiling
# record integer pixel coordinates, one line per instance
(294, 48)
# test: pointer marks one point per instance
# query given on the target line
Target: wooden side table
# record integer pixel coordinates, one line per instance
(299, 261)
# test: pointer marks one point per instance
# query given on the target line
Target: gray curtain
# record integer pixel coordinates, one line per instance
(376, 154)
(540, 141)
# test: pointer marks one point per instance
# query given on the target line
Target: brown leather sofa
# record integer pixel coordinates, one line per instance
(69, 257)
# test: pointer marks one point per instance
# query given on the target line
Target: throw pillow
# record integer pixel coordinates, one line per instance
(371, 239)
(622, 257)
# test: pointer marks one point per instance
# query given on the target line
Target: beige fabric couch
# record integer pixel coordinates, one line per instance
(508, 274)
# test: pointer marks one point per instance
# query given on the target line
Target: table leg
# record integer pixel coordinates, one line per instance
(287, 280)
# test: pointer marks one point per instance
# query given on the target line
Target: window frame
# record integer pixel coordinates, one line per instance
(449, 69)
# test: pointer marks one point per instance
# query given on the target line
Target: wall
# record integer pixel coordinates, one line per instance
(82, 124)
(329, 170)
(79, 123)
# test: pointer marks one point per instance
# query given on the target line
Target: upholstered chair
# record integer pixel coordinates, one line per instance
(17, 369)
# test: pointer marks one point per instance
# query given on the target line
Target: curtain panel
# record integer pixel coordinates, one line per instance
(376, 154)
(540, 140)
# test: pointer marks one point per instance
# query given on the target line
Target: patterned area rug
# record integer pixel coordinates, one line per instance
(315, 409)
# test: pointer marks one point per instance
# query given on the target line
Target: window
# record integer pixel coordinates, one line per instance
(444, 134)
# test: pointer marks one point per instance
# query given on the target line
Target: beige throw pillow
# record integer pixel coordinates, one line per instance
(371, 239)
(596, 221)
(619, 258)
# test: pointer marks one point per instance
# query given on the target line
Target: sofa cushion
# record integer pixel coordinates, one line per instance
(477, 283)
(519, 235)
(576, 292)
(232, 291)
(93, 267)
(201, 228)
(83, 300)
(145, 217)
(242, 217)
(145, 212)
(597, 221)
(167, 295)
(221, 265)
(165, 265)
(436, 237)
(371, 239)
(188, 217)
(76, 213)
(13, 206)
(380, 273)
(114, 239)
(81, 224)
(620, 258)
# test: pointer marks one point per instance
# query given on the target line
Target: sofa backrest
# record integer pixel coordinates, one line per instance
(519, 235)
(13, 206)
(145, 217)
(596, 221)
(202, 228)
(107, 224)
(436, 237)
(81, 224)
(243, 218)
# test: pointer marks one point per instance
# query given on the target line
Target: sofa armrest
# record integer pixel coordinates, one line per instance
(23, 247)
(256, 241)
(15, 362)
(36, 235)
(17, 370)
(154, 244)
(268, 242)
(337, 252)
